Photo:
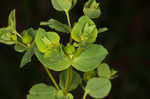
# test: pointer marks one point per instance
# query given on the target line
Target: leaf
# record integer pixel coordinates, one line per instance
(98, 87)
(76, 80)
(103, 29)
(6, 37)
(27, 56)
(62, 5)
(56, 25)
(84, 30)
(46, 41)
(28, 35)
(92, 9)
(42, 91)
(19, 48)
(56, 61)
(89, 58)
(12, 20)
(104, 71)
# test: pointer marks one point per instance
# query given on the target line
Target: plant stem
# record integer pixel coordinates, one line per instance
(85, 94)
(68, 19)
(69, 23)
(21, 44)
(68, 80)
(52, 78)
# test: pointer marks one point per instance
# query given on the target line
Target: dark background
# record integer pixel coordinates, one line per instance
(127, 42)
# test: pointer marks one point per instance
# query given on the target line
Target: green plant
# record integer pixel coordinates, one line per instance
(80, 54)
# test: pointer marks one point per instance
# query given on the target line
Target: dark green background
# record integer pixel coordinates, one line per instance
(127, 42)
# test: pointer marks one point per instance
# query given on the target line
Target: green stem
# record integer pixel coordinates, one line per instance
(68, 80)
(69, 23)
(84, 96)
(21, 44)
(52, 78)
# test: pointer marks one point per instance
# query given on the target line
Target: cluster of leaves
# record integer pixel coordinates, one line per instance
(80, 54)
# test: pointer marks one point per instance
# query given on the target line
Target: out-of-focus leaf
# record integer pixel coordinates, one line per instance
(92, 9)
(56, 25)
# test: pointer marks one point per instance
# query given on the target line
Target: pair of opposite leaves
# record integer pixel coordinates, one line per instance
(96, 87)
(87, 56)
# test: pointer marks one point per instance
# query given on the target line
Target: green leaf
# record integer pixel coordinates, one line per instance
(56, 61)
(6, 36)
(62, 5)
(98, 87)
(92, 9)
(42, 91)
(46, 41)
(89, 57)
(19, 48)
(84, 30)
(27, 56)
(103, 29)
(12, 20)
(104, 71)
(56, 25)
(76, 80)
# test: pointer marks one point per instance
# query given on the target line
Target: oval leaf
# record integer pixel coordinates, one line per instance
(98, 87)
(104, 71)
(89, 58)
(62, 5)
(42, 91)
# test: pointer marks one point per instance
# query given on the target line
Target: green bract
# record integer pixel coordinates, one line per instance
(89, 58)
(92, 9)
(46, 41)
(84, 30)
(6, 36)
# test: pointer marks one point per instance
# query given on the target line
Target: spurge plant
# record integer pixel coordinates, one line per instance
(80, 61)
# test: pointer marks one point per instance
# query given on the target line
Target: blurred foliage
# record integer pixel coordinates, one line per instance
(127, 41)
